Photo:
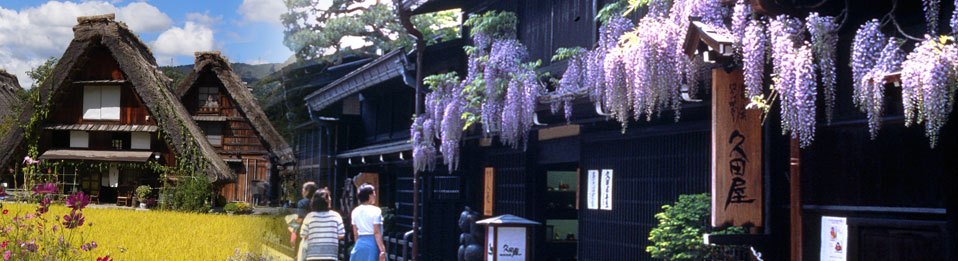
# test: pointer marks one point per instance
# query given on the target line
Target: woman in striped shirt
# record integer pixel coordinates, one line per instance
(322, 229)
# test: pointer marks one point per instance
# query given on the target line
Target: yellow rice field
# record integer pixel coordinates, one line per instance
(126, 234)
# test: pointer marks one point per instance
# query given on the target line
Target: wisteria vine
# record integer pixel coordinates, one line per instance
(824, 47)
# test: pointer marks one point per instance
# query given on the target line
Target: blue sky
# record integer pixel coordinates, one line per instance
(244, 30)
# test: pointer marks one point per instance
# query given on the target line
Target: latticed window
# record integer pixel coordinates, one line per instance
(209, 97)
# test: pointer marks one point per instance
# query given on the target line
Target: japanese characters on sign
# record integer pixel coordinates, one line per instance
(605, 197)
(736, 153)
(592, 193)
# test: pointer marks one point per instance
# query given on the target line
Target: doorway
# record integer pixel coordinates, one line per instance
(560, 211)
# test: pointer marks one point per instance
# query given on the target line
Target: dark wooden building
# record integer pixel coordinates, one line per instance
(112, 114)
(230, 117)
(898, 195)
(362, 121)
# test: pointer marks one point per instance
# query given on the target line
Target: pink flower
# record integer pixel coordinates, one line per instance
(30, 161)
(104, 258)
(6, 255)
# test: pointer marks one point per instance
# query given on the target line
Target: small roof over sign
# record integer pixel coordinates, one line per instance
(507, 220)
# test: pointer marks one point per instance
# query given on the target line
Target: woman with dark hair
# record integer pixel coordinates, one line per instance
(302, 208)
(367, 221)
(322, 229)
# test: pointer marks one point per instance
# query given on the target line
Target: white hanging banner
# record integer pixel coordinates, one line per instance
(593, 190)
(834, 239)
(605, 196)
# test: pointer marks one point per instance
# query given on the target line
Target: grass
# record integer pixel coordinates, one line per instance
(162, 235)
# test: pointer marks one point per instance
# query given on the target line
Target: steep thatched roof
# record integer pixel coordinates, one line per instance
(140, 68)
(10, 132)
(213, 62)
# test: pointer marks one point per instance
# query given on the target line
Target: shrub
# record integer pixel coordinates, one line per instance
(142, 192)
(191, 195)
(681, 226)
(238, 208)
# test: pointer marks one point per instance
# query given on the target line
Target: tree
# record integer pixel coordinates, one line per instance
(41, 72)
(175, 74)
(324, 29)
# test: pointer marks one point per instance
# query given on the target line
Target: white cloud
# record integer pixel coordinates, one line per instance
(262, 10)
(31, 35)
(143, 17)
(204, 18)
(192, 37)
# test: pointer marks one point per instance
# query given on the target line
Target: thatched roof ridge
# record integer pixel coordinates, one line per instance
(10, 132)
(216, 63)
(138, 64)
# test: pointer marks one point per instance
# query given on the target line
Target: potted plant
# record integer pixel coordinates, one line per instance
(142, 192)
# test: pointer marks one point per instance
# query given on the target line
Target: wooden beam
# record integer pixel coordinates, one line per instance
(795, 199)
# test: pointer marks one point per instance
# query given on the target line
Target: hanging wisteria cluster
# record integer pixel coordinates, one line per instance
(573, 82)
(500, 92)
(931, 8)
(872, 93)
(635, 72)
(824, 48)
(928, 79)
(754, 48)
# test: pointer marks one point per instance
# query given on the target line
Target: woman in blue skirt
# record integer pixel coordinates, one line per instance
(367, 222)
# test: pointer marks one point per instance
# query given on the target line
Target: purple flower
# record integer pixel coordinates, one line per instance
(88, 246)
(29, 246)
(46, 188)
(78, 201)
(73, 220)
(824, 43)
(43, 207)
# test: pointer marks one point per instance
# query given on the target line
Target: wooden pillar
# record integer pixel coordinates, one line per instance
(795, 199)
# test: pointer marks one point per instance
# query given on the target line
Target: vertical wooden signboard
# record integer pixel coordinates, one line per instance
(488, 189)
(736, 153)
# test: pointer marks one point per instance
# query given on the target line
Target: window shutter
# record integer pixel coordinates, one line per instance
(79, 139)
(140, 140)
(91, 102)
(110, 103)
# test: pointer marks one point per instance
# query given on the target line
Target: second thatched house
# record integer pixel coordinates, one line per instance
(109, 122)
(9, 129)
(225, 109)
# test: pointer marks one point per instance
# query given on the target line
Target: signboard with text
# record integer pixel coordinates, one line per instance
(605, 196)
(592, 192)
(737, 197)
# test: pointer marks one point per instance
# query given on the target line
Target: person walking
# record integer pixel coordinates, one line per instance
(322, 229)
(302, 208)
(367, 222)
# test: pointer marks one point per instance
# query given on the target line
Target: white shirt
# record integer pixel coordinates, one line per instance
(364, 217)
